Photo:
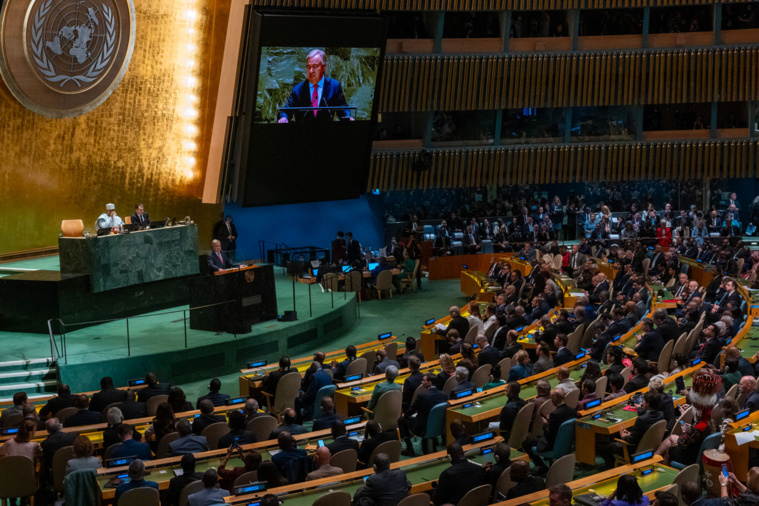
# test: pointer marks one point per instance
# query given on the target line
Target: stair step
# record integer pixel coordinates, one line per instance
(32, 375)
(34, 387)
(25, 365)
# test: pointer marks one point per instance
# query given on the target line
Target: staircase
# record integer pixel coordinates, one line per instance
(37, 377)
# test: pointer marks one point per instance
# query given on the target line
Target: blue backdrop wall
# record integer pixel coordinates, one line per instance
(311, 224)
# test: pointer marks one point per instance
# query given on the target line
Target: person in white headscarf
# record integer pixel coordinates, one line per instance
(109, 219)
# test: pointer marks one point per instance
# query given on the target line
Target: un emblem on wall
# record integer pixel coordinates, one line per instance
(63, 58)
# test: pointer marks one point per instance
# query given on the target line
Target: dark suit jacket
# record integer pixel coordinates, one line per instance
(214, 264)
(509, 413)
(368, 445)
(562, 357)
(352, 251)
(55, 442)
(561, 414)
(83, 417)
(752, 403)
(130, 448)
(413, 382)
(145, 220)
(636, 383)
(650, 345)
(489, 355)
(332, 95)
(204, 421)
(528, 486)
(459, 323)
(387, 488)
(342, 443)
(102, 399)
(326, 421)
(132, 410)
(176, 485)
(422, 406)
(668, 330)
(642, 423)
(151, 391)
(56, 404)
(246, 437)
(215, 397)
(456, 481)
(710, 350)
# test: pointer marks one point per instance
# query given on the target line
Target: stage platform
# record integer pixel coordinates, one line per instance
(157, 340)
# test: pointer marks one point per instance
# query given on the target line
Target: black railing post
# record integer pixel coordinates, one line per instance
(184, 319)
(129, 344)
(310, 312)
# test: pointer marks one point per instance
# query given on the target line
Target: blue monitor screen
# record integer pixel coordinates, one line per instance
(371, 266)
(430, 321)
(354, 377)
(346, 268)
(741, 415)
(483, 437)
(593, 404)
(247, 489)
(642, 456)
(237, 400)
(350, 421)
(136, 382)
(259, 363)
(459, 395)
(386, 335)
(696, 361)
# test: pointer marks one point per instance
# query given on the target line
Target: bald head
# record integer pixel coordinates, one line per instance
(454, 311)
(323, 456)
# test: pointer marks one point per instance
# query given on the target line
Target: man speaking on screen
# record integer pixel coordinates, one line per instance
(318, 92)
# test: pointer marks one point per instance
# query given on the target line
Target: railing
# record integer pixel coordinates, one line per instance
(63, 329)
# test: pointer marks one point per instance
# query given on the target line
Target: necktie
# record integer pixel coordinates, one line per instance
(220, 259)
(315, 99)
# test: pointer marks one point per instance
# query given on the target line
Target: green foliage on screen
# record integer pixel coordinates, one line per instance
(283, 67)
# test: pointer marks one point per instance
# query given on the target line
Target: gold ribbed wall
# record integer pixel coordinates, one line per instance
(480, 5)
(458, 168)
(459, 83)
(130, 149)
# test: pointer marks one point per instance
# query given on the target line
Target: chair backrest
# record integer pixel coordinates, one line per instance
(686, 417)
(689, 473)
(415, 500)
(588, 334)
(489, 333)
(262, 426)
(388, 409)
(419, 390)
(601, 384)
(544, 410)
(213, 433)
(561, 471)
(60, 458)
(188, 490)
(152, 404)
(392, 351)
(13, 420)
(325, 391)
(449, 385)
(330, 282)
(358, 366)
(503, 484)
(733, 392)
(347, 460)
(572, 398)
(505, 367)
(557, 259)
(521, 426)
(143, 496)
(163, 445)
(481, 376)
(691, 341)
(471, 334)
(391, 448)
(653, 437)
(246, 478)
(625, 375)
(574, 340)
(436, 421)
(109, 451)
(371, 358)
(565, 437)
(288, 388)
(18, 477)
(337, 497)
(354, 281)
(477, 496)
(64, 413)
(384, 280)
(666, 355)
(646, 264)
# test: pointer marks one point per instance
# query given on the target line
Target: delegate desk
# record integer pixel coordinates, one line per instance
(117, 261)
(420, 471)
(751, 296)
(486, 406)
(661, 298)
(233, 300)
(518, 264)
(613, 416)
(251, 378)
(650, 474)
(701, 272)
(162, 470)
(477, 283)
(740, 439)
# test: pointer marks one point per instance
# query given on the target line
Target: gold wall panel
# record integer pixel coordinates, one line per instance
(454, 168)
(133, 148)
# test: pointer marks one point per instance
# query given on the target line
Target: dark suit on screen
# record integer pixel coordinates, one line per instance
(332, 95)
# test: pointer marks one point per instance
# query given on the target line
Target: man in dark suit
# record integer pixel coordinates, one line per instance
(563, 355)
(386, 487)
(561, 414)
(63, 400)
(132, 409)
(154, 388)
(304, 404)
(269, 383)
(107, 395)
(525, 483)
(650, 343)
(666, 326)
(458, 479)
(288, 425)
(457, 322)
(227, 235)
(352, 249)
(413, 381)
(140, 217)
(652, 415)
(730, 296)
(409, 424)
(218, 261)
(316, 91)
(512, 407)
(639, 379)
(488, 354)
(338, 248)
(341, 440)
(339, 368)
(206, 417)
(462, 375)
(177, 483)
(711, 348)
(55, 440)
(213, 395)
(288, 450)
(84, 416)
(129, 447)
(328, 414)
(373, 437)
(187, 442)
